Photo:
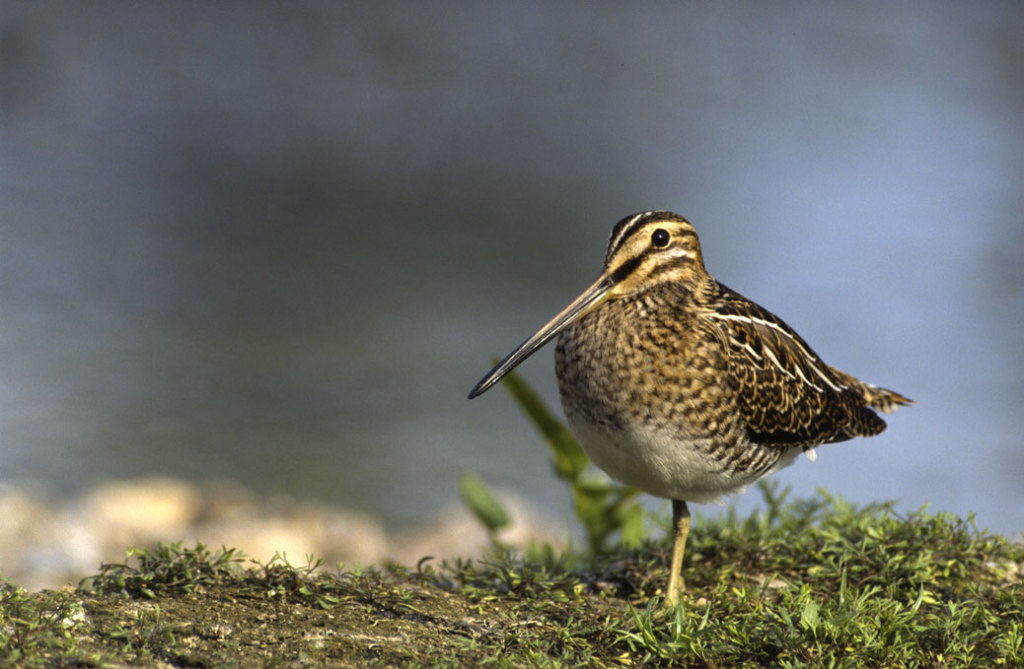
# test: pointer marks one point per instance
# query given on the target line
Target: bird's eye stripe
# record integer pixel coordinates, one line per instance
(626, 268)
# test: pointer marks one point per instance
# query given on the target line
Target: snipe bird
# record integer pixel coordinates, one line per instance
(683, 388)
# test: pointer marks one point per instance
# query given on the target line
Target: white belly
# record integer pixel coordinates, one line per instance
(658, 462)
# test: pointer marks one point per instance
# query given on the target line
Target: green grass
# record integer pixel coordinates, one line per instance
(814, 582)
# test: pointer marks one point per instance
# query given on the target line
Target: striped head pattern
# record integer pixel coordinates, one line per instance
(651, 248)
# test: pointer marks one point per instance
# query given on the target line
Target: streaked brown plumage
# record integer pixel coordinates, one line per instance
(679, 386)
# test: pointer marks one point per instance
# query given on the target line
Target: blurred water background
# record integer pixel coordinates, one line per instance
(279, 242)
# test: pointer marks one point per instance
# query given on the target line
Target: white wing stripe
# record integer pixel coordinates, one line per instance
(808, 359)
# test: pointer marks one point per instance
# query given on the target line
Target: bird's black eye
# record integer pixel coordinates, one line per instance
(660, 238)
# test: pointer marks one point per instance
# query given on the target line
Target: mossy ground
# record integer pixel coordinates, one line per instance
(812, 583)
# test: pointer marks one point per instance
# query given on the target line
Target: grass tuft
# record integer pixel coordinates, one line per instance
(816, 582)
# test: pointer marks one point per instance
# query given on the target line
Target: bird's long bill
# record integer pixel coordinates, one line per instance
(591, 297)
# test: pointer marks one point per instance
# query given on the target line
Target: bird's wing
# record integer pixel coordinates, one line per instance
(788, 395)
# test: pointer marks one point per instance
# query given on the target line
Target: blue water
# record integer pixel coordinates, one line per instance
(280, 244)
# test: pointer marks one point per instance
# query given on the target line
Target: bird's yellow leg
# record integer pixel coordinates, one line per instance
(680, 530)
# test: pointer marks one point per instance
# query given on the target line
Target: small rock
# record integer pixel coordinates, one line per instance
(141, 511)
(456, 532)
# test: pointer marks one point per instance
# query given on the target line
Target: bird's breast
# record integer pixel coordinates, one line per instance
(650, 404)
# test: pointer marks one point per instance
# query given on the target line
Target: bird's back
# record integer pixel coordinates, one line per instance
(787, 395)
